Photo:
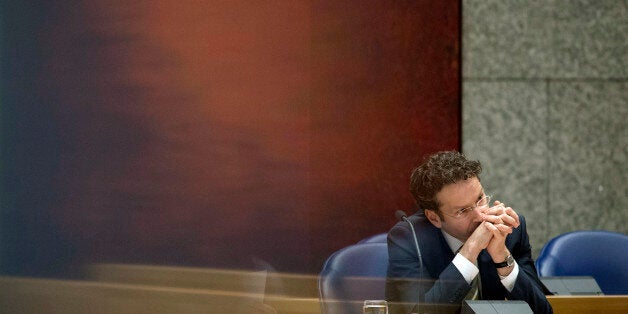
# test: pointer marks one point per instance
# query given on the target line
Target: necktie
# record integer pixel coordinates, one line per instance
(474, 293)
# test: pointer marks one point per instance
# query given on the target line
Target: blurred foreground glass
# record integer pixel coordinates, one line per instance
(375, 307)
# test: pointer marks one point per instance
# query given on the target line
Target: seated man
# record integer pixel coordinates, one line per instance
(470, 249)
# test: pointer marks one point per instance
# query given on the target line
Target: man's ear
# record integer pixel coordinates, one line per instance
(433, 217)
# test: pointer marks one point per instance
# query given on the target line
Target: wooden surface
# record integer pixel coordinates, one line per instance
(561, 304)
(296, 293)
(32, 295)
(589, 304)
(274, 283)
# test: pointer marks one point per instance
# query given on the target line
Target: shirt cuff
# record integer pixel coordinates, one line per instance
(509, 281)
(466, 268)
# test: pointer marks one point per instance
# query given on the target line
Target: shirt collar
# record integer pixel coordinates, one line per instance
(454, 244)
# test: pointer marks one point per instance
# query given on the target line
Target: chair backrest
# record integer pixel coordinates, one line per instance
(378, 238)
(600, 254)
(352, 275)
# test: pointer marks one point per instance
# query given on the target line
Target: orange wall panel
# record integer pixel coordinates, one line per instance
(217, 133)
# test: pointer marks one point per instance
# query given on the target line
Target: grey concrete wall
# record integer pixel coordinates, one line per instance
(545, 108)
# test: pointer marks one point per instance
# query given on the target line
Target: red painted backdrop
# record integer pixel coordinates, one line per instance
(213, 133)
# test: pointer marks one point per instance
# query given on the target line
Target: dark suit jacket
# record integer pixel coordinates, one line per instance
(439, 284)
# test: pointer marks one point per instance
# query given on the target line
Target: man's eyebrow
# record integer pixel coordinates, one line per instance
(478, 199)
(467, 206)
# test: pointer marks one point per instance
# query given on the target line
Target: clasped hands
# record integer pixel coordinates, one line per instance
(497, 222)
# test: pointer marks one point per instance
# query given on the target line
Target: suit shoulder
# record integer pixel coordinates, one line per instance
(402, 230)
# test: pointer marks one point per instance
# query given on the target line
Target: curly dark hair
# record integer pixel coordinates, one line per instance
(438, 170)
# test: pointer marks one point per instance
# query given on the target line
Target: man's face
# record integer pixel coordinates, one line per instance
(452, 198)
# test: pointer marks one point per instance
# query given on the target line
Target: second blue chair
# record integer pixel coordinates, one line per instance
(600, 254)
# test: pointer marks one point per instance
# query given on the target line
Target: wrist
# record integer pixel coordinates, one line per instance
(504, 272)
(506, 266)
(500, 255)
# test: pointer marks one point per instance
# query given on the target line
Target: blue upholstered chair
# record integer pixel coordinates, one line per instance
(378, 238)
(600, 254)
(352, 275)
